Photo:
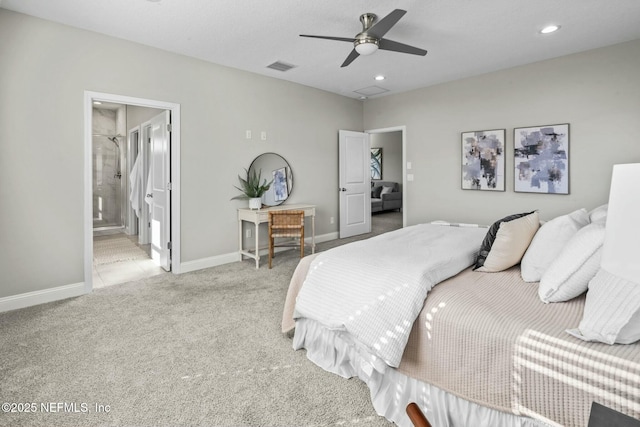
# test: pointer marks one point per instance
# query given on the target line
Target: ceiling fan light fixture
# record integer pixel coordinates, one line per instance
(366, 46)
(371, 38)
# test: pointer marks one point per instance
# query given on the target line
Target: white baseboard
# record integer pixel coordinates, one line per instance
(325, 237)
(214, 261)
(28, 299)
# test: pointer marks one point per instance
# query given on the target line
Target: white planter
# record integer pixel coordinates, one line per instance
(255, 203)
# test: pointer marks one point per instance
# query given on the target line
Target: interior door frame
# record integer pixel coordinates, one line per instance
(132, 147)
(89, 98)
(402, 129)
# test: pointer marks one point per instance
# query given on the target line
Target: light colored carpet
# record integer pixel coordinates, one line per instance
(117, 248)
(198, 349)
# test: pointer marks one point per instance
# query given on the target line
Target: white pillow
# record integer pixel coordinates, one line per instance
(611, 312)
(569, 274)
(511, 242)
(386, 190)
(599, 214)
(548, 242)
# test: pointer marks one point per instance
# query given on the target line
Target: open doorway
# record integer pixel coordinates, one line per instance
(355, 183)
(130, 227)
(122, 249)
(386, 181)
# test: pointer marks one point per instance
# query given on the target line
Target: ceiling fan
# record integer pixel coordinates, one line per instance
(370, 39)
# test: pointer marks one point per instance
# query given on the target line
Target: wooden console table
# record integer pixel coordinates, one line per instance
(259, 216)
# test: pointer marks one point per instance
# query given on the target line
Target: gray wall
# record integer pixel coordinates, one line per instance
(391, 144)
(46, 67)
(597, 92)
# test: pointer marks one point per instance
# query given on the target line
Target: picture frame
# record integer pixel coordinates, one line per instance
(483, 162)
(376, 163)
(541, 159)
(280, 185)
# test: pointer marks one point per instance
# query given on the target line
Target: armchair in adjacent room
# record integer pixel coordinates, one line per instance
(385, 195)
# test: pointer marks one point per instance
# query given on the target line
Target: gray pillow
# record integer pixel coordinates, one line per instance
(376, 192)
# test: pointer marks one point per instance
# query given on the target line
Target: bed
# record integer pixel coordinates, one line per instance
(477, 348)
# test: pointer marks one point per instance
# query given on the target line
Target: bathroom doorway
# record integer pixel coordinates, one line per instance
(120, 169)
(129, 142)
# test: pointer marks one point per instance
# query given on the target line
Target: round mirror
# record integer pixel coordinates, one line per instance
(272, 166)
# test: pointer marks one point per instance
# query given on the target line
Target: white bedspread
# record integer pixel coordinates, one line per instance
(374, 289)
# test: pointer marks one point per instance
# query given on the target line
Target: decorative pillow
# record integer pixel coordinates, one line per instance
(599, 214)
(548, 242)
(569, 274)
(386, 190)
(506, 242)
(611, 312)
(375, 193)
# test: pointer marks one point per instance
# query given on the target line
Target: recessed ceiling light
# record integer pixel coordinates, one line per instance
(550, 29)
(379, 78)
(97, 102)
(363, 97)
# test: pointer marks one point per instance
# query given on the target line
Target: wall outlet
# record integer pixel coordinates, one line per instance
(331, 220)
(247, 232)
(408, 165)
(263, 135)
(410, 177)
(247, 134)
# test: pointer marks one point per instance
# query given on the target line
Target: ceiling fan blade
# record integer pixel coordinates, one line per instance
(340, 39)
(353, 55)
(381, 27)
(386, 44)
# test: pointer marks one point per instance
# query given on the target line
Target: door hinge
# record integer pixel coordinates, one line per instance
(169, 245)
(169, 186)
(169, 127)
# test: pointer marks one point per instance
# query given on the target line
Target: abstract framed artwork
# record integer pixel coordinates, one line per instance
(280, 185)
(483, 160)
(541, 159)
(376, 163)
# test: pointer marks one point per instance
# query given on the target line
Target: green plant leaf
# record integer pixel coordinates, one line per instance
(251, 186)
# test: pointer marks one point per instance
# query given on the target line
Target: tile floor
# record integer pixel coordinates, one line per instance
(123, 271)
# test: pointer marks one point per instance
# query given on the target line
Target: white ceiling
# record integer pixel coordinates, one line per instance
(463, 37)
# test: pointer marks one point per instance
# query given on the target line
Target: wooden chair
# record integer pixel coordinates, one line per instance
(285, 223)
(416, 416)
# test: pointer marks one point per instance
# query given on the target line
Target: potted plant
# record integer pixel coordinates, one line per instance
(252, 189)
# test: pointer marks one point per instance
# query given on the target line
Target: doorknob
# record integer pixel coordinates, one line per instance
(342, 189)
(150, 195)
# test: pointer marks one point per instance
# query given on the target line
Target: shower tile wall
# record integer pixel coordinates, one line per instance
(107, 187)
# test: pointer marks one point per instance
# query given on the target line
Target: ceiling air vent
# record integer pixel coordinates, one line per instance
(281, 66)
(371, 90)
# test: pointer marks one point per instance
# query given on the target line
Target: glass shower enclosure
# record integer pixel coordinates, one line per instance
(109, 149)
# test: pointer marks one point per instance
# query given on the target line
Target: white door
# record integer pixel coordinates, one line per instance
(355, 183)
(133, 147)
(160, 175)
